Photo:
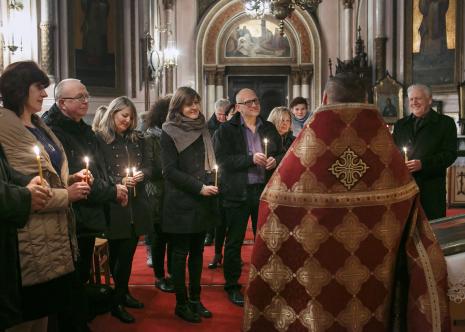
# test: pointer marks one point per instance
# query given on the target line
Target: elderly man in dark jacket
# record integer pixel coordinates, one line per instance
(79, 141)
(248, 149)
(16, 203)
(430, 142)
(213, 124)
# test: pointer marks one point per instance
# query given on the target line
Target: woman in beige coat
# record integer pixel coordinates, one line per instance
(47, 244)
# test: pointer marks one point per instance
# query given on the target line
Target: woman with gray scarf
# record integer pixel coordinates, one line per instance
(188, 160)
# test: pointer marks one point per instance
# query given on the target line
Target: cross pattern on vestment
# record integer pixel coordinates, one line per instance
(276, 274)
(348, 168)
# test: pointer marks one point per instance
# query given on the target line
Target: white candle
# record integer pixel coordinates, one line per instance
(405, 153)
(265, 141)
(86, 161)
(37, 152)
(134, 173)
(216, 175)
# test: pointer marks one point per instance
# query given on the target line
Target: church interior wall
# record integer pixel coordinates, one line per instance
(182, 21)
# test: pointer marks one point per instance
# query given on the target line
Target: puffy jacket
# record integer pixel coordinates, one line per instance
(47, 243)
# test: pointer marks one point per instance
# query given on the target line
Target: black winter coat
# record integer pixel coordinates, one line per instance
(79, 141)
(234, 160)
(155, 187)
(15, 206)
(135, 218)
(185, 211)
(435, 144)
(213, 124)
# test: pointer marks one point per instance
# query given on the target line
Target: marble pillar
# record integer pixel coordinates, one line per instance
(47, 45)
(347, 53)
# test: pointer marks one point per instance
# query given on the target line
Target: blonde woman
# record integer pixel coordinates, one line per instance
(281, 117)
(123, 148)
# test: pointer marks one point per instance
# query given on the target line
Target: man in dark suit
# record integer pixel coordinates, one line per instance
(430, 140)
(246, 161)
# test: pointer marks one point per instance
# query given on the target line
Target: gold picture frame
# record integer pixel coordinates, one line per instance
(433, 58)
(388, 95)
(456, 186)
(95, 45)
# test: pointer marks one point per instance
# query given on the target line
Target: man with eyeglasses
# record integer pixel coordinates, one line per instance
(248, 149)
(79, 141)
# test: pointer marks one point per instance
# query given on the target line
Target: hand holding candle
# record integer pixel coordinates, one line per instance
(265, 141)
(37, 152)
(405, 153)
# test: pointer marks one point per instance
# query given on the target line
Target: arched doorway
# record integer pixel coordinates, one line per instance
(235, 51)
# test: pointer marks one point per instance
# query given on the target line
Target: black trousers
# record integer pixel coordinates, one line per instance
(86, 252)
(220, 231)
(121, 256)
(76, 315)
(237, 216)
(160, 247)
(184, 246)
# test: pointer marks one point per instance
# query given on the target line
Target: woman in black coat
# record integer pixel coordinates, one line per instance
(187, 161)
(123, 147)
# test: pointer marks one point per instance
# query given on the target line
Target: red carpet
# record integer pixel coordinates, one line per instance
(158, 314)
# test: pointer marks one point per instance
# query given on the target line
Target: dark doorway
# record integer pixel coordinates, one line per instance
(271, 90)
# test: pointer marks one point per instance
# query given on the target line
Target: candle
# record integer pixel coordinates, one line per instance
(405, 153)
(216, 175)
(265, 141)
(86, 161)
(134, 173)
(37, 152)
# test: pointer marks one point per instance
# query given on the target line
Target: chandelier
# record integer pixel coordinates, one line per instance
(278, 8)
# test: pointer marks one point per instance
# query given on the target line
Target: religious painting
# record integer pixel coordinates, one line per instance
(257, 39)
(96, 45)
(388, 96)
(433, 43)
(456, 186)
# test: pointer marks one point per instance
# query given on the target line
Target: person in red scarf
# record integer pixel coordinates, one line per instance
(343, 243)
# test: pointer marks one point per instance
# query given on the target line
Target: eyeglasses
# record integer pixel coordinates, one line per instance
(249, 103)
(80, 98)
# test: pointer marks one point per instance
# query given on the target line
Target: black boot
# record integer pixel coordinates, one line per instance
(185, 312)
(217, 259)
(120, 312)
(165, 285)
(198, 308)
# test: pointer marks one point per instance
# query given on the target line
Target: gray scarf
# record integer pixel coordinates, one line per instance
(185, 131)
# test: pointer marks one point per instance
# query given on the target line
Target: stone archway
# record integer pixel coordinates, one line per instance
(304, 62)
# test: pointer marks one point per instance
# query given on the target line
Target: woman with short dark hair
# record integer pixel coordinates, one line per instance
(47, 243)
(188, 161)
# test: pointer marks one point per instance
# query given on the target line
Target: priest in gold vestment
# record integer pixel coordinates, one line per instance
(343, 243)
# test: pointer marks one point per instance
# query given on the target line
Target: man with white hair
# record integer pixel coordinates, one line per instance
(428, 141)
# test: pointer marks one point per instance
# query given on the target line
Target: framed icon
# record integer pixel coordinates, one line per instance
(389, 97)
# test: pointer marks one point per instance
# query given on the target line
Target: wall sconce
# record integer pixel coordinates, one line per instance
(170, 57)
(10, 42)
